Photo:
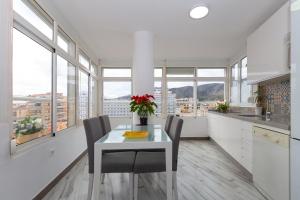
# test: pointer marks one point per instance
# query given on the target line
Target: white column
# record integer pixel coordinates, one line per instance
(143, 65)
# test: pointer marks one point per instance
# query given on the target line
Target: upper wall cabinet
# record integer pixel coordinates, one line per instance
(269, 46)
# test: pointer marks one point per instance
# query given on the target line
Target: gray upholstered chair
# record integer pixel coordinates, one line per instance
(149, 162)
(116, 162)
(104, 119)
(168, 123)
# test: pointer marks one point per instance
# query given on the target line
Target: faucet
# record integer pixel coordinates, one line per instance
(268, 111)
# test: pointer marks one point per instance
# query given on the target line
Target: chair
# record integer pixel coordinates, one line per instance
(168, 123)
(105, 123)
(149, 162)
(116, 162)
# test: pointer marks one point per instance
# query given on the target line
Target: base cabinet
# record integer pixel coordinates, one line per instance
(234, 136)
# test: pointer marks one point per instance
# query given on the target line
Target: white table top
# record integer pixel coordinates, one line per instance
(115, 136)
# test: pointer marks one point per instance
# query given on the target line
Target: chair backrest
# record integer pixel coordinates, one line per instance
(168, 123)
(93, 132)
(175, 132)
(105, 122)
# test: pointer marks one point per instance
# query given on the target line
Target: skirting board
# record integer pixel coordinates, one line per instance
(58, 177)
(244, 170)
(194, 138)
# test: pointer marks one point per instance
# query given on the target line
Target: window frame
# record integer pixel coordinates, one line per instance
(35, 39)
(41, 13)
(239, 85)
(116, 80)
(195, 79)
(36, 35)
(64, 35)
(113, 79)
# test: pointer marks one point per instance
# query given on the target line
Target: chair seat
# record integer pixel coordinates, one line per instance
(148, 162)
(118, 162)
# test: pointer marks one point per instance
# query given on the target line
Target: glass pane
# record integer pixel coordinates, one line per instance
(65, 95)
(244, 68)
(31, 89)
(234, 92)
(117, 72)
(235, 72)
(93, 99)
(211, 72)
(180, 98)
(65, 43)
(158, 96)
(83, 95)
(208, 93)
(158, 72)
(34, 18)
(116, 98)
(94, 69)
(84, 61)
(245, 91)
(180, 72)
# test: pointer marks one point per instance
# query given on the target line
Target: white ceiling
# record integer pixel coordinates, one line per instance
(107, 26)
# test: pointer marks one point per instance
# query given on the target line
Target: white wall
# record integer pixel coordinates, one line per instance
(192, 127)
(25, 174)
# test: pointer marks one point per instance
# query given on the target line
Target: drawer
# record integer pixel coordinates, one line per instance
(272, 136)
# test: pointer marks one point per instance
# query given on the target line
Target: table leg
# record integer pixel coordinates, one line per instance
(97, 172)
(169, 172)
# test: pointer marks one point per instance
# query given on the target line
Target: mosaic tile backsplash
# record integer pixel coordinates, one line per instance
(278, 93)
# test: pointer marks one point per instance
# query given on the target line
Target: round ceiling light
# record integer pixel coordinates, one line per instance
(199, 12)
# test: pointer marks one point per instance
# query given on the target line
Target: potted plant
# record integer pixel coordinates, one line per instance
(144, 106)
(222, 107)
(258, 102)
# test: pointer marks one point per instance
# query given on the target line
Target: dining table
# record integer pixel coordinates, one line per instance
(115, 140)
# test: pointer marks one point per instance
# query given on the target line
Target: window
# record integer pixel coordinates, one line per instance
(84, 60)
(32, 13)
(116, 72)
(181, 98)
(240, 90)
(34, 114)
(116, 98)
(218, 72)
(235, 83)
(65, 42)
(65, 95)
(83, 95)
(94, 69)
(32, 84)
(208, 93)
(158, 72)
(93, 98)
(180, 72)
(158, 96)
(245, 88)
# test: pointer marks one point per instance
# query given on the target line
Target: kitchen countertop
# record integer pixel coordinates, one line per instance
(277, 121)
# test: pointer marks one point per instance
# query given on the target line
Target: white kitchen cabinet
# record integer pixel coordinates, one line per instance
(234, 136)
(268, 47)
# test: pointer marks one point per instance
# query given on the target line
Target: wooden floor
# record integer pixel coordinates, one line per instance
(204, 173)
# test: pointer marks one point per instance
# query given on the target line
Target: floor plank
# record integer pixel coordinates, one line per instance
(204, 173)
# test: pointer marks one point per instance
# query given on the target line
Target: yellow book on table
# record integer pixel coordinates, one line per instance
(136, 134)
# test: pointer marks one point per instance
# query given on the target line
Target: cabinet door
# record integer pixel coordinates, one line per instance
(233, 138)
(268, 47)
(246, 146)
